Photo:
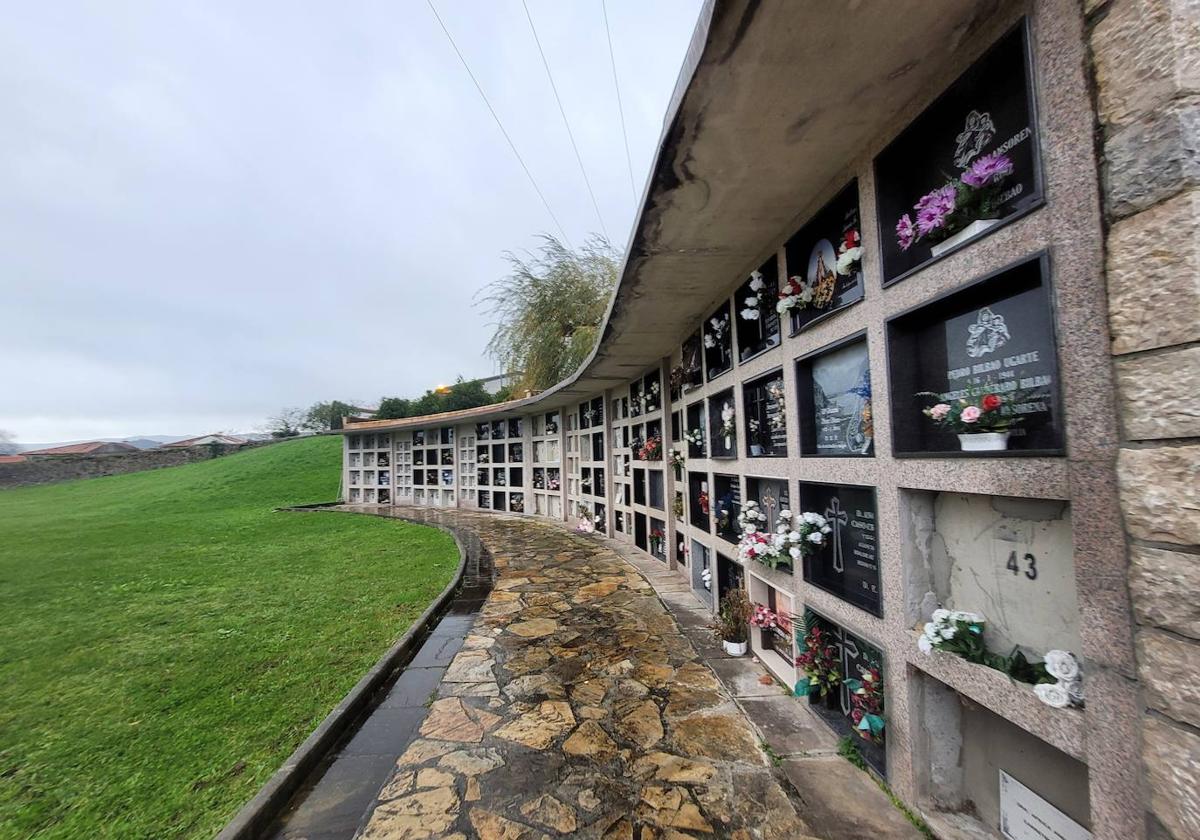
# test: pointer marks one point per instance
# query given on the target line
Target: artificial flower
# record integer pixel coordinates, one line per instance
(934, 207)
(990, 402)
(970, 414)
(988, 169)
(906, 235)
(1053, 694)
(939, 411)
(1062, 665)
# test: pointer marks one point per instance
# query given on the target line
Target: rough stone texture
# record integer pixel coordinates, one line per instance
(71, 467)
(1164, 585)
(1146, 52)
(1159, 393)
(1170, 671)
(577, 739)
(1154, 279)
(1160, 493)
(1152, 160)
(1172, 758)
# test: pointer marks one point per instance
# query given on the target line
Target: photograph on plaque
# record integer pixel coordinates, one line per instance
(847, 565)
(726, 505)
(755, 306)
(694, 431)
(718, 343)
(965, 166)
(824, 263)
(692, 363)
(989, 346)
(765, 423)
(835, 401)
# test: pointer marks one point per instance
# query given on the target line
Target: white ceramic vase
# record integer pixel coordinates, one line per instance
(969, 232)
(984, 442)
(736, 648)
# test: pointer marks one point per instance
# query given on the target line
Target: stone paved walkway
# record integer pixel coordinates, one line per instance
(577, 707)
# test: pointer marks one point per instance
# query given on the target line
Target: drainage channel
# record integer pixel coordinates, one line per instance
(336, 797)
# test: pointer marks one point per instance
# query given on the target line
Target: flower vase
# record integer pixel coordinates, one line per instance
(736, 648)
(969, 232)
(728, 442)
(984, 442)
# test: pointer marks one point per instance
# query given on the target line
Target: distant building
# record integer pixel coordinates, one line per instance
(95, 447)
(12, 459)
(494, 384)
(206, 440)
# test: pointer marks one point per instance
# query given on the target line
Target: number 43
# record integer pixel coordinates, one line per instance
(1030, 569)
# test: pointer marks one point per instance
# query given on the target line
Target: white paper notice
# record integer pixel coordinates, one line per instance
(1026, 816)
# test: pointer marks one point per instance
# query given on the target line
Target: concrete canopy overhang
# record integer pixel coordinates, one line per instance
(774, 101)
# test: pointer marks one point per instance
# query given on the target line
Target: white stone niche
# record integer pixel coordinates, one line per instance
(961, 749)
(1009, 559)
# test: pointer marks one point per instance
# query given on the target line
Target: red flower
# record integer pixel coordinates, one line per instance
(851, 239)
(990, 402)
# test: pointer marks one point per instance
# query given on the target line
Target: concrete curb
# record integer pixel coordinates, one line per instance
(258, 814)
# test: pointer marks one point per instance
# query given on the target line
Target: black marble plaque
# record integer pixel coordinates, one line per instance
(812, 260)
(757, 318)
(765, 423)
(699, 501)
(730, 575)
(722, 441)
(996, 336)
(726, 505)
(987, 110)
(717, 331)
(693, 363)
(848, 564)
(835, 401)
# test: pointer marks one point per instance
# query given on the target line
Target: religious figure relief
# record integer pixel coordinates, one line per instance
(837, 518)
(987, 334)
(826, 284)
(976, 134)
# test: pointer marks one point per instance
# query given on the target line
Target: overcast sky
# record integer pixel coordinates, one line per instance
(211, 210)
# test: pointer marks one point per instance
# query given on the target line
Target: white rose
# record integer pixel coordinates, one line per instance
(925, 645)
(931, 630)
(816, 537)
(941, 615)
(947, 632)
(794, 535)
(1074, 691)
(785, 514)
(782, 306)
(1053, 695)
(825, 529)
(794, 552)
(750, 529)
(1062, 666)
(756, 281)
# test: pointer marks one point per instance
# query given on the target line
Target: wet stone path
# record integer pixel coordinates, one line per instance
(576, 706)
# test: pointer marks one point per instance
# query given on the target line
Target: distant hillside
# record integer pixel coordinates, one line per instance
(140, 441)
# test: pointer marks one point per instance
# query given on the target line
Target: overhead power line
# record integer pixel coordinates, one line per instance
(612, 60)
(566, 122)
(500, 125)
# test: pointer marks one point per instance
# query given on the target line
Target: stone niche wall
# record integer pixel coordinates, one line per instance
(1146, 65)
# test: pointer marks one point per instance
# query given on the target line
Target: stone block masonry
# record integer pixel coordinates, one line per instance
(1146, 69)
(71, 467)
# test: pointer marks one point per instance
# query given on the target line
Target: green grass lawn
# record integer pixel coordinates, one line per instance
(167, 639)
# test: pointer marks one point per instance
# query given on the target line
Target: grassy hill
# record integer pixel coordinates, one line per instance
(167, 639)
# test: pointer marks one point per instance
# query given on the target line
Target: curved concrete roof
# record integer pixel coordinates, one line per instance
(774, 101)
